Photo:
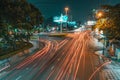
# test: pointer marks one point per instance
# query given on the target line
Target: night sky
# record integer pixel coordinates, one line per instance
(79, 9)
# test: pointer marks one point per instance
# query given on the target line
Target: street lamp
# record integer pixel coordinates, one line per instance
(66, 10)
(99, 14)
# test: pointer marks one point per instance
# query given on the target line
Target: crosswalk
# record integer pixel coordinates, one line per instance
(112, 72)
(110, 75)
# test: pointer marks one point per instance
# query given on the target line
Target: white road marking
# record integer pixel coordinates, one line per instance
(52, 67)
(18, 77)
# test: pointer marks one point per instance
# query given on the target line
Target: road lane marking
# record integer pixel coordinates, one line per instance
(27, 68)
(4, 68)
(58, 59)
(52, 67)
(18, 77)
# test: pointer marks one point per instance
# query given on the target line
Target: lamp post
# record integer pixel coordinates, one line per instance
(66, 13)
(61, 20)
(101, 32)
(61, 26)
(100, 15)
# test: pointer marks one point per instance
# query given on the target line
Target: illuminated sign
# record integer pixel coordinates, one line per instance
(72, 23)
(62, 18)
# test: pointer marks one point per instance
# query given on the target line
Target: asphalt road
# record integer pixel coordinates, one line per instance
(72, 58)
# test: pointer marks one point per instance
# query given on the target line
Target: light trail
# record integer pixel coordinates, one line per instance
(33, 57)
(59, 64)
(48, 63)
(106, 63)
(71, 59)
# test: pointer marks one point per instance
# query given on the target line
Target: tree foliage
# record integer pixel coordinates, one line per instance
(15, 12)
(110, 23)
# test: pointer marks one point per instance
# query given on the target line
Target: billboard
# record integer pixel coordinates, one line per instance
(62, 18)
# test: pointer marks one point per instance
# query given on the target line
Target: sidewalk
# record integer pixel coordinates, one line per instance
(112, 71)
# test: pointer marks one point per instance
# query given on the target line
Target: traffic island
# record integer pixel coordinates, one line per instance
(57, 34)
(10, 52)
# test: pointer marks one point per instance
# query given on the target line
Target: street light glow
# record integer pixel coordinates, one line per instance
(99, 14)
(66, 10)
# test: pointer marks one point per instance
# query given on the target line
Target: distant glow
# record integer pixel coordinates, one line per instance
(73, 22)
(97, 31)
(83, 26)
(94, 10)
(75, 26)
(103, 20)
(36, 31)
(79, 29)
(99, 14)
(91, 22)
(56, 19)
(16, 30)
(53, 28)
(10, 32)
(101, 32)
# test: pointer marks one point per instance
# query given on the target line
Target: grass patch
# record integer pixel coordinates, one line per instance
(11, 53)
(34, 37)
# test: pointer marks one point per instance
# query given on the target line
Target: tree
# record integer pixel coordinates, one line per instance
(110, 22)
(19, 14)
